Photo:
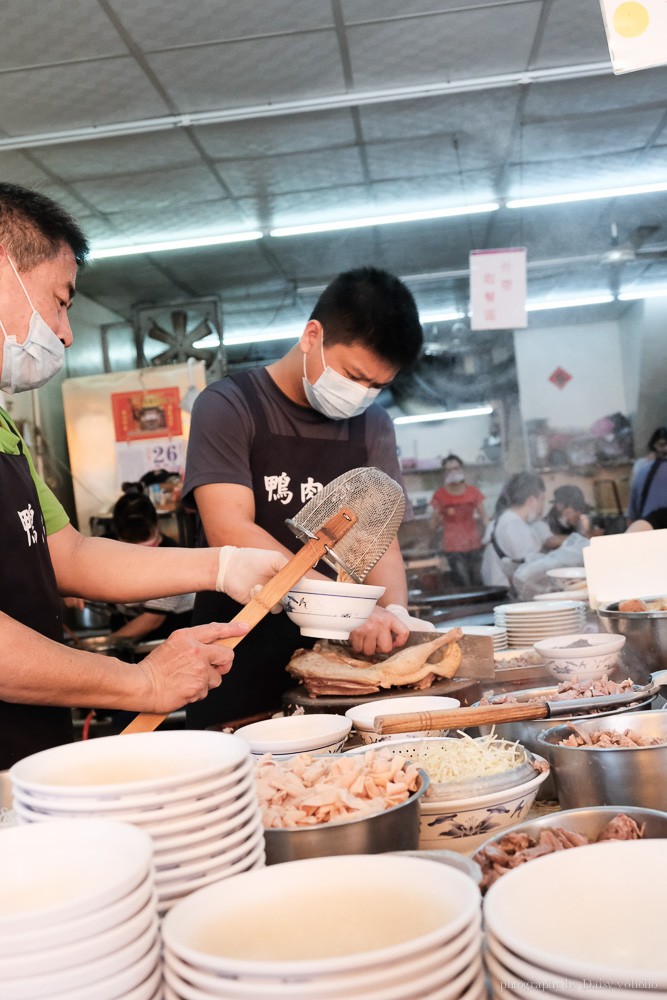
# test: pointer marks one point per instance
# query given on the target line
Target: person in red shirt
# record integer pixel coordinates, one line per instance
(459, 508)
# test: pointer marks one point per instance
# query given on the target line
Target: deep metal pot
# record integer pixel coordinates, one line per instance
(526, 734)
(395, 829)
(645, 649)
(622, 776)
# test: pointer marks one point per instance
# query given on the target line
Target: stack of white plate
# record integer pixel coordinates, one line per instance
(193, 791)
(372, 927)
(579, 922)
(78, 916)
(528, 622)
(497, 632)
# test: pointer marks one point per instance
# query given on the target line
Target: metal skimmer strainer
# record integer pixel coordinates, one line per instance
(378, 502)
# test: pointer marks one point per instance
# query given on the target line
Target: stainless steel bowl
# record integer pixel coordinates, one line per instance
(645, 634)
(621, 776)
(526, 734)
(589, 822)
(395, 829)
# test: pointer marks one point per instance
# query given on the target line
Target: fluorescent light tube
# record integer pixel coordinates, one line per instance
(440, 316)
(158, 246)
(562, 199)
(589, 300)
(422, 418)
(385, 220)
(632, 295)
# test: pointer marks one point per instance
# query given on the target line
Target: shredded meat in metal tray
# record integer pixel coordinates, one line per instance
(515, 849)
(603, 739)
(565, 691)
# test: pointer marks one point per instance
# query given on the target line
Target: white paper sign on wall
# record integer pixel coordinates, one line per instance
(636, 33)
(498, 289)
(135, 458)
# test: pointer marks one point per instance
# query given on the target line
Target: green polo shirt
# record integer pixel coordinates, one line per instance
(53, 512)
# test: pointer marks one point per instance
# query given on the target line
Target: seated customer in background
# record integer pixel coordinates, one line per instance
(517, 532)
(135, 520)
(568, 514)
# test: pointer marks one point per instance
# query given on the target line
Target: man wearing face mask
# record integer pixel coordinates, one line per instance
(44, 557)
(263, 442)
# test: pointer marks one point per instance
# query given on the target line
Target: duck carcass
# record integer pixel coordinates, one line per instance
(327, 669)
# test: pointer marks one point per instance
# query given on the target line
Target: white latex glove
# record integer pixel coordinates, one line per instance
(414, 624)
(242, 572)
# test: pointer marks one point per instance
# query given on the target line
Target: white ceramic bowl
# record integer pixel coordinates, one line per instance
(58, 871)
(464, 824)
(363, 715)
(118, 767)
(585, 656)
(326, 609)
(604, 919)
(371, 910)
(293, 734)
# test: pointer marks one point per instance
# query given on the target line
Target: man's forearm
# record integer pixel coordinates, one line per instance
(35, 670)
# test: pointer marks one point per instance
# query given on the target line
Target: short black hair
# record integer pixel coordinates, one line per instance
(452, 458)
(659, 434)
(33, 228)
(373, 308)
(134, 517)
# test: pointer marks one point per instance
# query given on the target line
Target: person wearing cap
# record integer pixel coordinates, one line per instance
(568, 514)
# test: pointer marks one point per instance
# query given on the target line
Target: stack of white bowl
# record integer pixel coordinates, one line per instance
(529, 621)
(582, 922)
(372, 927)
(193, 791)
(78, 916)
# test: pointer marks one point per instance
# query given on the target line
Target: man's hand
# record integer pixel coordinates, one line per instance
(186, 666)
(240, 571)
(386, 629)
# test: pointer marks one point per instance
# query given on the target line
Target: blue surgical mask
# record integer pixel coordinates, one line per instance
(37, 359)
(334, 395)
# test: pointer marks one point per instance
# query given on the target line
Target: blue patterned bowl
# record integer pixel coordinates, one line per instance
(464, 824)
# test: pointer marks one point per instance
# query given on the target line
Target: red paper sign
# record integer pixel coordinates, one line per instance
(154, 414)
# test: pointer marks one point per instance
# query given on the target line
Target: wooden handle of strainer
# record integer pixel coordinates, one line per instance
(272, 593)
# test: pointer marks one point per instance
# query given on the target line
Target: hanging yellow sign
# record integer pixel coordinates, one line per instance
(636, 33)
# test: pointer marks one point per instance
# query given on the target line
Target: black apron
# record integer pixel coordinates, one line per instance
(258, 679)
(28, 593)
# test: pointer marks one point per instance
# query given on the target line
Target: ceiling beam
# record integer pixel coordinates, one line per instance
(197, 119)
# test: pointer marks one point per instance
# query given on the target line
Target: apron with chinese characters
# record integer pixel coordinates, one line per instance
(28, 593)
(287, 471)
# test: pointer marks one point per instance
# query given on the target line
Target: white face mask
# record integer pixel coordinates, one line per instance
(334, 395)
(37, 359)
(455, 477)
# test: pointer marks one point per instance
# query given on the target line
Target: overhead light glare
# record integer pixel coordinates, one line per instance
(251, 336)
(440, 316)
(589, 300)
(385, 220)
(423, 418)
(632, 295)
(158, 246)
(563, 199)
